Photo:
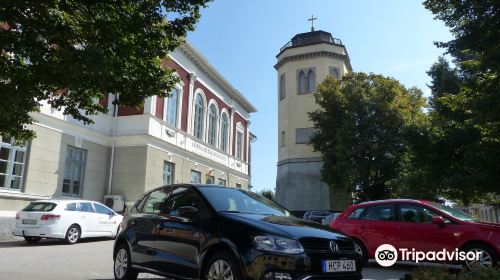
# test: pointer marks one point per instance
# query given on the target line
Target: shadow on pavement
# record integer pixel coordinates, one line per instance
(48, 242)
(147, 277)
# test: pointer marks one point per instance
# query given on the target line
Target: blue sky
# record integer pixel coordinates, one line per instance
(241, 39)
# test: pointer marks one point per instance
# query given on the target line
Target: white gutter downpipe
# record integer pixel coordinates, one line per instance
(115, 127)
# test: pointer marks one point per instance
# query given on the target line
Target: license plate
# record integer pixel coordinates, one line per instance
(339, 265)
(29, 222)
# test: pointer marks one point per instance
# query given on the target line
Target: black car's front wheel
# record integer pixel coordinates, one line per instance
(222, 266)
(123, 265)
(360, 249)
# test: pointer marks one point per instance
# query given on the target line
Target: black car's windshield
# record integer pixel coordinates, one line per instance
(454, 212)
(240, 201)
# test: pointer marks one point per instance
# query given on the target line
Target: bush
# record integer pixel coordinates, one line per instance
(444, 274)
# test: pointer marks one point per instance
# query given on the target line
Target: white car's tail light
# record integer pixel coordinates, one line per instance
(18, 216)
(50, 217)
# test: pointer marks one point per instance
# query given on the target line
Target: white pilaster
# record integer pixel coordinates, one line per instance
(180, 94)
(231, 130)
(247, 142)
(111, 107)
(150, 105)
(218, 133)
(192, 79)
(205, 121)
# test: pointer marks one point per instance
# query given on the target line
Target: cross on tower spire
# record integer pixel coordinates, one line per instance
(312, 19)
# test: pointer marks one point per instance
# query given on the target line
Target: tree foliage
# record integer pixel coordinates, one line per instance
(70, 53)
(465, 102)
(363, 128)
(267, 193)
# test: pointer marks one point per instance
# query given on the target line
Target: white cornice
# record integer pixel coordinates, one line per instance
(17, 194)
(203, 63)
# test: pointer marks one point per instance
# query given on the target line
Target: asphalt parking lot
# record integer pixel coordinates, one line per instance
(91, 260)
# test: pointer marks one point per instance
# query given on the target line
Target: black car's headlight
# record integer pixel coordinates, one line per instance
(278, 244)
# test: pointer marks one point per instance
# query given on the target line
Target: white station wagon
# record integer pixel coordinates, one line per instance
(66, 219)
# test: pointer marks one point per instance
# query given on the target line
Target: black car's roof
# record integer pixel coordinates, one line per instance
(200, 186)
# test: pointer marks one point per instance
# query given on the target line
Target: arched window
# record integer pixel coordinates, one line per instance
(239, 144)
(198, 116)
(212, 124)
(302, 82)
(282, 87)
(171, 115)
(224, 132)
(311, 81)
(334, 72)
(306, 80)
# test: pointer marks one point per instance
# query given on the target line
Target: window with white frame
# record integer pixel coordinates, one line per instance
(12, 163)
(239, 145)
(195, 176)
(74, 171)
(212, 124)
(238, 186)
(172, 107)
(198, 116)
(224, 132)
(168, 173)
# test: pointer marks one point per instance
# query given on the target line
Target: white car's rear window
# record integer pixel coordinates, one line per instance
(40, 207)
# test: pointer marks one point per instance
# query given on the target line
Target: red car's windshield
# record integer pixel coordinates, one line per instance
(454, 212)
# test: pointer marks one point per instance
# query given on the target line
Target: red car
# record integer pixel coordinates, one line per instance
(422, 225)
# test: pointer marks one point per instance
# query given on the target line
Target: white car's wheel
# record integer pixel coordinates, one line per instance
(73, 234)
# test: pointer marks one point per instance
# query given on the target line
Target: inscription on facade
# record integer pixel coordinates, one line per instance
(207, 152)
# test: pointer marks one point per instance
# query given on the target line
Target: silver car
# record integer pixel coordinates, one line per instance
(326, 221)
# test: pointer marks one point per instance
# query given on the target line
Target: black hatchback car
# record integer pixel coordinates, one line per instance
(211, 232)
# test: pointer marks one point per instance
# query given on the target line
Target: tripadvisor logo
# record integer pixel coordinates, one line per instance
(386, 255)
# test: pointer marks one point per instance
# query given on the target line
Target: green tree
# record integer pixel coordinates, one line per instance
(456, 159)
(363, 126)
(70, 53)
(465, 102)
(428, 166)
(267, 193)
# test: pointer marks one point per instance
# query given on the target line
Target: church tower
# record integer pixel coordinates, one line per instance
(302, 64)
